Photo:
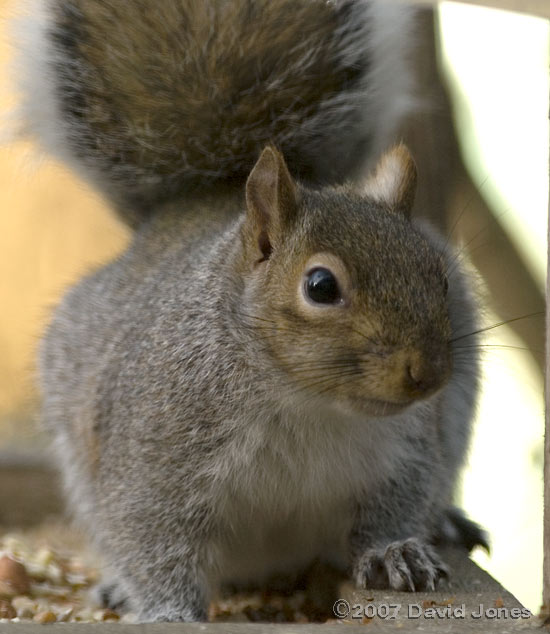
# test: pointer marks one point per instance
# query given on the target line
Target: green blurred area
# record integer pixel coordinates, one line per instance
(498, 64)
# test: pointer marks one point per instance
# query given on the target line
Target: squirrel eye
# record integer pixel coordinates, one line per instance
(321, 287)
(446, 284)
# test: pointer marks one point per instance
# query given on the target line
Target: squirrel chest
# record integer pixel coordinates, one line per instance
(289, 488)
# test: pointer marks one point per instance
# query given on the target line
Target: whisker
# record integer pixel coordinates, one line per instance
(333, 387)
(334, 382)
(320, 368)
(257, 317)
(492, 345)
(328, 378)
(476, 189)
(370, 340)
(464, 247)
(345, 358)
(501, 323)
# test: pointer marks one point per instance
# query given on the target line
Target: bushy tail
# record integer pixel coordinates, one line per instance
(149, 99)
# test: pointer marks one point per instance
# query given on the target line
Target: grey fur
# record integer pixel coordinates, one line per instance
(208, 428)
(210, 464)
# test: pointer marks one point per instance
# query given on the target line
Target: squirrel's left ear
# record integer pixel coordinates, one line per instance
(393, 182)
(271, 200)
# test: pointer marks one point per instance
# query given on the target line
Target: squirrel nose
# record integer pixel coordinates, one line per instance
(423, 376)
(417, 379)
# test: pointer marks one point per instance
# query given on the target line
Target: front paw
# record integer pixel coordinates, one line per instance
(111, 594)
(404, 565)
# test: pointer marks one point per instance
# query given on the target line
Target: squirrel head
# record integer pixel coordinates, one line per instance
(347, 295)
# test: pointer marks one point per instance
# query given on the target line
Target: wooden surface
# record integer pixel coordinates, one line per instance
(546, 526)
(452, 627)
(469, 591)
(535, 7)
(29, 490)
(468, 601)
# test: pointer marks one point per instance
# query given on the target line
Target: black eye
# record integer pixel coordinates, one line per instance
(321, 287)
(445, 284)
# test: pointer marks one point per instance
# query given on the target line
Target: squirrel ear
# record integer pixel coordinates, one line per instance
(393, 181)
(270, 200)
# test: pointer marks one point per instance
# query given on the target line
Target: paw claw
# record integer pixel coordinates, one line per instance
(404, 565)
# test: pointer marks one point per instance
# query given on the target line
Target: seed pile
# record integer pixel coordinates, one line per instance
(46, 584)
(38, 584)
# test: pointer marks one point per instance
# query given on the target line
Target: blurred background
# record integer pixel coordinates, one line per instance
(497, 68)
(480, 136)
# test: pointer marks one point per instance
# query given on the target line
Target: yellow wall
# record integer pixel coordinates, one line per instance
(52, 229)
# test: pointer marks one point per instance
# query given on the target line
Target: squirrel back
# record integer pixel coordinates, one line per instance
(149, 101)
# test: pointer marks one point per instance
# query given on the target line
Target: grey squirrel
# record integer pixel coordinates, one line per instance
(274, 371)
